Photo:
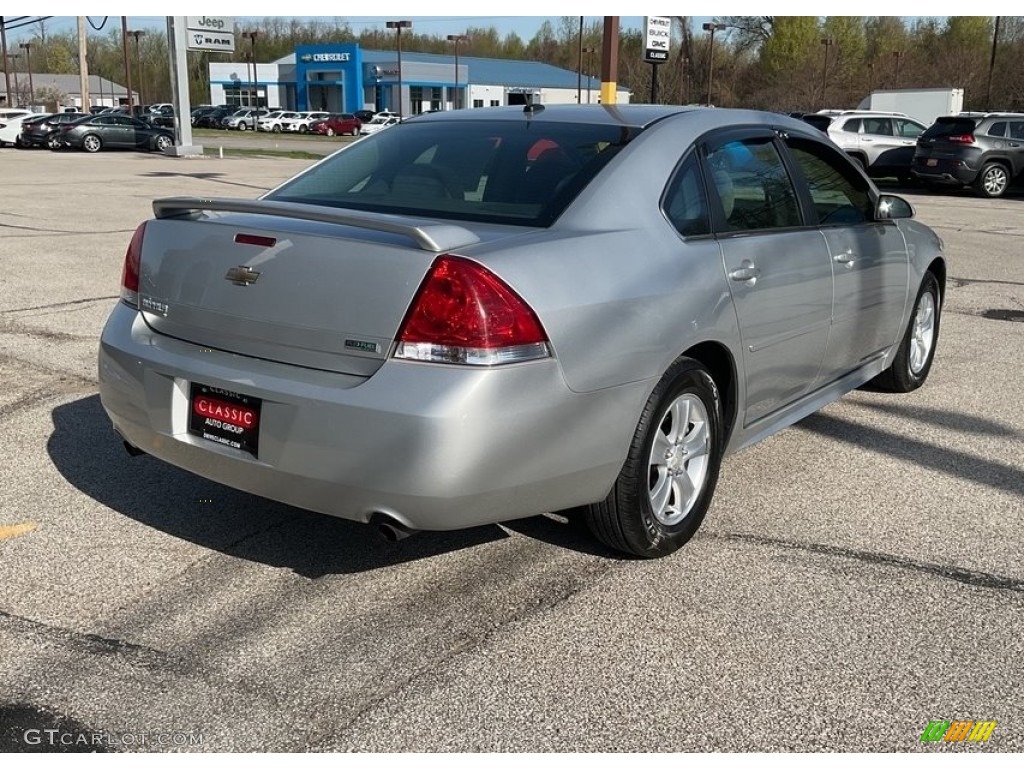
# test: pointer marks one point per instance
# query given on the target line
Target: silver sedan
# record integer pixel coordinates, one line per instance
(483, 315)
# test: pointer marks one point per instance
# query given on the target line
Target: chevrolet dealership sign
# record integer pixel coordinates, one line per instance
(657, 38)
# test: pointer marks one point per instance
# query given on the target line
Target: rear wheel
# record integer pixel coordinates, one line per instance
(993, 180)
(663, 491)
(92, 143)
(913, 359)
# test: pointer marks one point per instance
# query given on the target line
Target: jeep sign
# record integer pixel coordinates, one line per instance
(657, 38)
(210, 33)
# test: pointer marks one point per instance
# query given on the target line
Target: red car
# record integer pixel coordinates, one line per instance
(342, 124)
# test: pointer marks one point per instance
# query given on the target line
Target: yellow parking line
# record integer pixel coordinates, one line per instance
(10, 531)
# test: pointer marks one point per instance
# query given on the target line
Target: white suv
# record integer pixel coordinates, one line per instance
(300, 124)
(276, 120)
(882, 143)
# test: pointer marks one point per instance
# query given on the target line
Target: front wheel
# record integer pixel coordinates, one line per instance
(303, 129)
(53, 142)
(663, 490)
(163, 143)
(993, 180)
(276, 129)
(914, 356)
(330, 131)
(243, 127)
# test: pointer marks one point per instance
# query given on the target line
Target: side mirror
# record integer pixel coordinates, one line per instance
(892, 207)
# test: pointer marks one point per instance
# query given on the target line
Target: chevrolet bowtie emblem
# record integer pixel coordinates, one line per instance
(242, 275)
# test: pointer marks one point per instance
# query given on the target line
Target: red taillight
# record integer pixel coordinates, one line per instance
(961, 138)
(130, 273)
(464, 313)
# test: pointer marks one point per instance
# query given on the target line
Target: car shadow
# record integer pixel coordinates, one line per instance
(90, 456)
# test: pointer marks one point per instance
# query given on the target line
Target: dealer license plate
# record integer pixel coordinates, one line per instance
(224, 417)
(932, 162)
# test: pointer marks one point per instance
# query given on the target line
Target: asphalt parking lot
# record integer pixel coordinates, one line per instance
(858, 575)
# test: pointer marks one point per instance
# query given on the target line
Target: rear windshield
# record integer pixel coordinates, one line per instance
(511, 172)
(949, 126)
(821, 122)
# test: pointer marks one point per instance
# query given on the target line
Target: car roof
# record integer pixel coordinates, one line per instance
(631, 115)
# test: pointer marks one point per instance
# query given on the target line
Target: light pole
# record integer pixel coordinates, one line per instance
(711, 27)
(3, 55)
(992, 66)
(127, 66)
(579, 68)
(827, 42)
(28, 64)
(456, 39)
(14, 59)
(590, 68)
(137, 33)
(251, 37)
(398, 26)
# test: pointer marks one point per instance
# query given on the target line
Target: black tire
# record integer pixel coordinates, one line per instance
(993, 180)
(162, 143)
(626, 520)
(303, 129)
(242, 126)
(276, 128)
(859, 162)
(902, 375)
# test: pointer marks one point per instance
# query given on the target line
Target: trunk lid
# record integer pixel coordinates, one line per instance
(306, 285)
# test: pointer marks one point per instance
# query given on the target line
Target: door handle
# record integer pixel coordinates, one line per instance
(847, 257)
(743, 274)
(867, 141)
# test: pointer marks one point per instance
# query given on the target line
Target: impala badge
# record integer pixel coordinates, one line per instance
(242, 275)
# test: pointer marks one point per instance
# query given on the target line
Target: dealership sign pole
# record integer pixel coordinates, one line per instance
(657, 36)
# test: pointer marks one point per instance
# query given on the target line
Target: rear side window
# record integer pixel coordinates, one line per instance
(878, 126)
(949, 126)
(997, 129)
(907, 129)
(686, 201)
(753, 186)
(852, 125)
(508, 172)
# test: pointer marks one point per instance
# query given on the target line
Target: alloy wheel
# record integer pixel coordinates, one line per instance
(678, 464)
(923, 334)
(995, 180)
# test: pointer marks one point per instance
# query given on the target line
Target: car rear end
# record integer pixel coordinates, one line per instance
(948, 152)
(356, 351)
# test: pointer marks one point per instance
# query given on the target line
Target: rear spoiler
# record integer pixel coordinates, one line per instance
(429, 236)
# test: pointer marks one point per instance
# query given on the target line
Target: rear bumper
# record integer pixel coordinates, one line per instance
(944, 172)
(436, 447)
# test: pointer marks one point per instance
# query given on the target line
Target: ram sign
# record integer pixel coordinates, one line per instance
(657, 38)
(210, 33)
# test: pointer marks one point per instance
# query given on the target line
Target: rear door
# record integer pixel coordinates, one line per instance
(778, 268)
(869, 258)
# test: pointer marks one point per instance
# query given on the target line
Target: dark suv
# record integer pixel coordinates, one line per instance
(985, 152)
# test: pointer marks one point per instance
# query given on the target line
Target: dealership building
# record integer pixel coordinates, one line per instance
(344, 77)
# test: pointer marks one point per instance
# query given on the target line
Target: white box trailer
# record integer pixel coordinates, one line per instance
(922, 104)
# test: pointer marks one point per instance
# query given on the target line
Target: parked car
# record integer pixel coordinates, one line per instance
(501, 336)
(11, 127)
(985, 152)
(113, 131)
(301, 123)
(243, 119)
(342, 124)
(379, 123)
(364, 115)
(213, 119)
(164, 117)
(37, 132)
(882, 143)
(11, 117)
(275, 120)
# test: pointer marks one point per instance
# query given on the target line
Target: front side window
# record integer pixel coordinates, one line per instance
(1017, 129)
(752, 185)
(840, 196)
(510, 172)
